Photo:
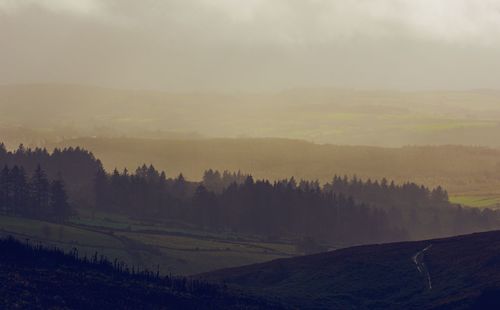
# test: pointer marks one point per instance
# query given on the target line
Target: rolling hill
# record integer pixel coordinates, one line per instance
(455, 273)
(35, 277)
(462, 170)
(353, 117)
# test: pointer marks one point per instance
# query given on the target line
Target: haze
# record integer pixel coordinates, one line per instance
(250, 154)
(253, 45)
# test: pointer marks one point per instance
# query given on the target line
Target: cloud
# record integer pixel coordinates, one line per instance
(219, 44)
(462, 21)
(320, 21)
(449, 20)
(78, 7)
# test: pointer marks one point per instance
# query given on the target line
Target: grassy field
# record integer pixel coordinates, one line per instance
(478, 201)
(147, 245)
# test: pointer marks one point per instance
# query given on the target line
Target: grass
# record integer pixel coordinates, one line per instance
(34, 277)
(175, 249)
(55, 232)
(477, 201)
(191, 255)
(444, 125)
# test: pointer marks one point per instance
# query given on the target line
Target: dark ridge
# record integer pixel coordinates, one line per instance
(464, 273)
(36, 277)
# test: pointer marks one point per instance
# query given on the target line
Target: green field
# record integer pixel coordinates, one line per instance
(477, 201)
(147, 245)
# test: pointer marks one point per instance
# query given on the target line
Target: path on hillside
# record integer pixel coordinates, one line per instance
(418, 259)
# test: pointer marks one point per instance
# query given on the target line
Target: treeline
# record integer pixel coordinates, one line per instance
(215, 181)
(386, 195)
(254, 207)
(76, 166)
(343, 211)
(423, 212)
(35, 197)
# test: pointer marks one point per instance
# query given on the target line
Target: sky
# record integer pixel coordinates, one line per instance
(252, 45)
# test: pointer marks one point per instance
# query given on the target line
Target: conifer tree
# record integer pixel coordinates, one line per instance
(39, 192)
(59, 205)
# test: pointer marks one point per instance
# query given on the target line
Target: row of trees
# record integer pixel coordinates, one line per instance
(253, 207)
(343, 211)
(76, 166)
(215, 181)
(35, 197)
(387, 194)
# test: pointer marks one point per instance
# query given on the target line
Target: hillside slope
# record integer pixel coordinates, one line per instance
(34, 277)
(454, 273)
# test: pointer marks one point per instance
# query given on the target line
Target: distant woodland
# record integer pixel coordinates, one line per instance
(343, 211)
(34, 197)
(461, 169)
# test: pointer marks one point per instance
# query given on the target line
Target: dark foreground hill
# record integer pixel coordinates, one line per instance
(455, 273)
(33, 277)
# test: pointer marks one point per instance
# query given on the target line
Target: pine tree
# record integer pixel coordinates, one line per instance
(3, 150)
(39, 193)
(179, 187)
(19, 191)
(101, 189)
(5, 190)
(59, 205)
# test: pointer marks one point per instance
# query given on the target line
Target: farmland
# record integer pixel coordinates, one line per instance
(479, 201)
(173, 250)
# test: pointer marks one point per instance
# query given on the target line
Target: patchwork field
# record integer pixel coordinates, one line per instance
(147, 245)
(333, 116)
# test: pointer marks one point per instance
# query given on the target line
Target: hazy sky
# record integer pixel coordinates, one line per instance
(252, 44)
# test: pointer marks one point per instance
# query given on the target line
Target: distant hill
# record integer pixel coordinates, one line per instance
(455, 273)
(353, 117)
(459, 169)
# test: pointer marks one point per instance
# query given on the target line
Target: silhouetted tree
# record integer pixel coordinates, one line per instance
(59, 201)
(5, 191)
(39, 192)
(35, 198)
(101, 190)
(77, 167)
(20, 191)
